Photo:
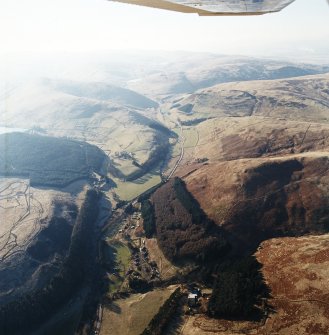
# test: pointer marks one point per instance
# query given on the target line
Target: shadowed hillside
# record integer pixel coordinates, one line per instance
(183, 230)
(48, 160)
(102, 92)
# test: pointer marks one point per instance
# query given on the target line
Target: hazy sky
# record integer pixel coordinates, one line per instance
(92, 25)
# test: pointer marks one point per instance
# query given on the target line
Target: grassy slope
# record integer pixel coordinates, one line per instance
(129, 190)
(130, 316)
(121, 255)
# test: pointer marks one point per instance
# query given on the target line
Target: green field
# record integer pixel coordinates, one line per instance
(131, 189)
(120, 254)
(125, 166)
(135, 312)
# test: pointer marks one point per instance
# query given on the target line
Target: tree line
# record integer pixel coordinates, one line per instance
(238, 290)
(148, 215)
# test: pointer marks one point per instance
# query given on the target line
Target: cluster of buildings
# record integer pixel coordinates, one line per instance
(193, 296)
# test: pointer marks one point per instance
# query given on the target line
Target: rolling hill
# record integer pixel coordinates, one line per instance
(255, 161)
(191, 72)
(48, 161)
(117, 120)
(246, 141)
(297, 99)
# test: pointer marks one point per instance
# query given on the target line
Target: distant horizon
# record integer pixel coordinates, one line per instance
(95, 25)
(37, 60)
(78, 66)
(292, 55)
(320, 55)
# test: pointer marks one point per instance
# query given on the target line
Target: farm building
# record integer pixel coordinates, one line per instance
(192, 299)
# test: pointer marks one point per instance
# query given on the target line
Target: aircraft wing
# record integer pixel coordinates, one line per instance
(215, 7)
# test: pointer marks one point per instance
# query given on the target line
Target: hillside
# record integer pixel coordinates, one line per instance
(183, 231)
(263, 168)
(259, 199)
(255, 161)
(236, 152)
(295, 270)
(303, 99)
(68, 275)
(190, 72)
(47, 160)
(117, 120)
(101, 91)
(69, 97)
(32, 253)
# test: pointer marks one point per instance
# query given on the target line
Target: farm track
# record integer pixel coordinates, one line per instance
(182, 141)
